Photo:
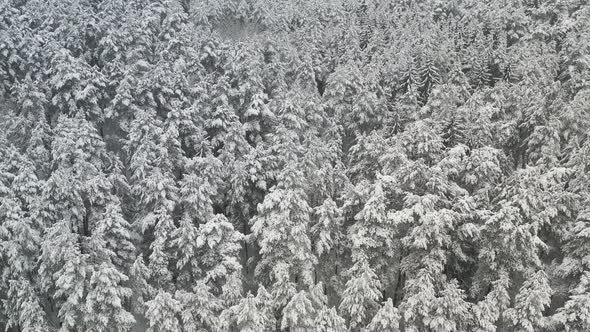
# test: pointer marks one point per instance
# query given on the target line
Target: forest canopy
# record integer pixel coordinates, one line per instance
(297, 166)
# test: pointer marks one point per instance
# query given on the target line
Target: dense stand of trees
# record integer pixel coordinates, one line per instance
(279, 165)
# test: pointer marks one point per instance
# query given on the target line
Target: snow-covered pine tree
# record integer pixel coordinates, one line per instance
(386, 319)
(77, 254)
(162, 313)
(574, 315)
(250, 314)
(20, 243)
(299, 314)
(360, 298)
(281, 228)
(529, 304)
(153, 183)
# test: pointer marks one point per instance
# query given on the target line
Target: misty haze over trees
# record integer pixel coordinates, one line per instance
(297, 166)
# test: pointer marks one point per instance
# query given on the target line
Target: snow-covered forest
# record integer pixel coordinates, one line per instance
(294, 165)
